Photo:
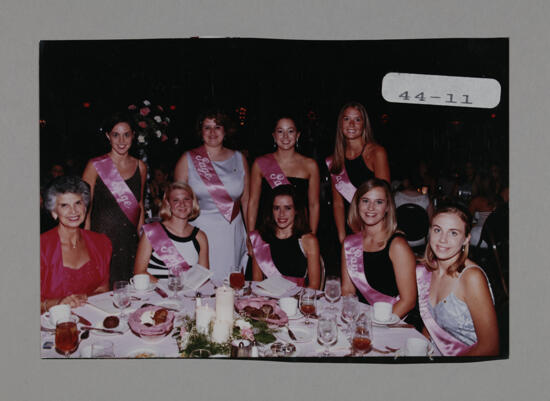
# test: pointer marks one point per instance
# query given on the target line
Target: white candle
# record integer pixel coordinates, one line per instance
(221, 331)
(203, 315)
(225, 304)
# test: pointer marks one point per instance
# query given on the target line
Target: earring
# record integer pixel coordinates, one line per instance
(463, 248)
(274, 145)
(297, 145)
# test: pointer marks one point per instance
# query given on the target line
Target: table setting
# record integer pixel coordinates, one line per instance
(142, 319)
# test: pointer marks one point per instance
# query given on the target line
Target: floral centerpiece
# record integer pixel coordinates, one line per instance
(188, 338)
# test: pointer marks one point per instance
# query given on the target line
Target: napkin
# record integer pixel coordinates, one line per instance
(276, 285)
(196, 276)
(105, 304)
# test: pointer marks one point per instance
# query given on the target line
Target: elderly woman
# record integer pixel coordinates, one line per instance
(377, 259)
(285, 245)
(74, 262)
(219, 178)
(173, 243)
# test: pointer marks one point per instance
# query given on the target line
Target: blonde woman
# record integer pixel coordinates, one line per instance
(173, 243)
(377, 260)
(357, 157)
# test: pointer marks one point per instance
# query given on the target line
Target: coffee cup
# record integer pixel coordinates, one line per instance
(61, 312)
(382, 311)
(416, 347)
(140, 281)
(289, 305)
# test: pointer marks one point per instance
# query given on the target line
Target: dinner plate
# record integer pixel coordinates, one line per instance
(143, 353)
(170, 303)
(263, 293)
(303, 334)
(149, 289)
(296, 316)
(393, 320)
(122, 326)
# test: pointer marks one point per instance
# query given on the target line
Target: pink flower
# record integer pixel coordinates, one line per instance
(160, 108)
(182, 331)
(142, 124)
(247, 334)
(132, 107)
(144, 111)
(163, 138)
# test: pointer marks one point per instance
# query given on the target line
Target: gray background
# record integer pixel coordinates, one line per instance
(23, 376)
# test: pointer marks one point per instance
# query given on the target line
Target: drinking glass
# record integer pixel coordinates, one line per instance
(349, 310)
(66, 336)
(361, 338)
(199, 353)
(175, 283)
(236, 278)
(333, 291)
(327, 332)
(307, 303)
(121, 296)
(103, 349)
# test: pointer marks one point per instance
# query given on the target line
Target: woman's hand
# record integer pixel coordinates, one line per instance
(74, 300)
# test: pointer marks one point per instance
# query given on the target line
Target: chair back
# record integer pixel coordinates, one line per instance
(495, 233)
(413, 220)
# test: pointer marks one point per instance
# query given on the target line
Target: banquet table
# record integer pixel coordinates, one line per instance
(127, 345)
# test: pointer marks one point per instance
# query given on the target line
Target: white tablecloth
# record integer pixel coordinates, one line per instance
(128, 343)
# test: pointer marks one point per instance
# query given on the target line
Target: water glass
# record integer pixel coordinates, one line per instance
(333, 291)
(327, 332)
(350, 306)
(175, 283)
(121, 296)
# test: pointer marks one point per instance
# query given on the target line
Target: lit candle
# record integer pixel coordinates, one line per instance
(221, 331)
(225, 304)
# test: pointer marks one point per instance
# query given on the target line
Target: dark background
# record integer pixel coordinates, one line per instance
(268, 77)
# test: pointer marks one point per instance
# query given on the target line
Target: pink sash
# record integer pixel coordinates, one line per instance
(125, 198)
(342, 182)
(227, 207)
(353, 248)
(446, 343)
(262, 253)
(272, 171)
(164, 247)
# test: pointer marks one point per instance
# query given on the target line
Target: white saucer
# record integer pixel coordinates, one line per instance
(393, 320)
(122, 326)
(303, 334)
(149, 289)
(45, 321)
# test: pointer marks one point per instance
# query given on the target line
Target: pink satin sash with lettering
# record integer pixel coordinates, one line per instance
(446, 343)
(342, 182)
(227, 207)
(164, 247)
(353, 248)
(112, 179)
(272, 171)
(262, 253)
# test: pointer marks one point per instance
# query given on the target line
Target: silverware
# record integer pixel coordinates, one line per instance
(82, 319)
(42, 328)
(391, 349)
(103, 330)
(291, 333)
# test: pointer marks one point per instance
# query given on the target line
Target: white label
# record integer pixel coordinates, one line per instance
(441, 90)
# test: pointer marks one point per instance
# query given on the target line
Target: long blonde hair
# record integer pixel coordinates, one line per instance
(430, 259)
(340, 142)
(165, 212)
(390, 220)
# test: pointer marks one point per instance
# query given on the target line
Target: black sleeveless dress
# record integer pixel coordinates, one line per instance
(358, 173)
(381, 276)
(288, 256)
(108, 218)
